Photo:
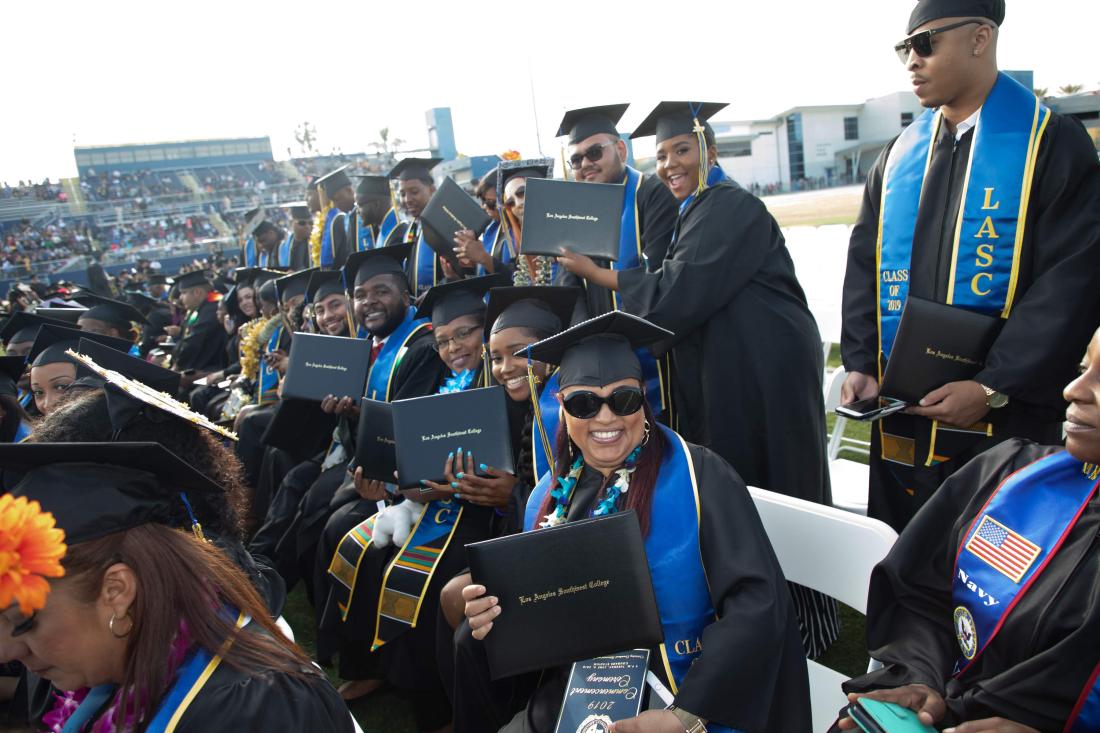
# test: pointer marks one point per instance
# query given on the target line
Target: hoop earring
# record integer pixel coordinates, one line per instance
(111, 627)
(645, 438)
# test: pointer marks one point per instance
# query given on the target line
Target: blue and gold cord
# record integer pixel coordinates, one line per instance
(196, 528)
(701, 139)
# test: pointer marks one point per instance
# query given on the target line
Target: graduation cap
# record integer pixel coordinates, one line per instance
(298, 210)
(928, 10)
(669, 119)
(414, 169)
(109, 310)
(323, 283)
(252, 219)
(143, 302)
(149, 374)
(11, 371)
(373, 186)
(580, 124)
(192, 279)
(22, 327)
(253, 276)
(268, 292)
(67, 314)
(97, 489)
(334, 181)
(362, 266)
(53, 341)
(158, 279)
(291, 286)
(527, 168)
(127, 397)
(598, 351)
(538, 307)
(446, 302)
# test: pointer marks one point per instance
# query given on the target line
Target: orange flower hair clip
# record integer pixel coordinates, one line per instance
(31, 548)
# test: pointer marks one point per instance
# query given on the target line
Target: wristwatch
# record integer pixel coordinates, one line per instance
(994, 400)
(692, 723)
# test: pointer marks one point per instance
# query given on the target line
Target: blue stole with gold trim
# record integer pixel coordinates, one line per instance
(1011, 541)
(551, 417)
(380, 377)
(269, 376)
(423, 264)
(284, 250)
(327, 255)
(22, 432)
(489, 238)
(672, 551)
(364, 235)
(992, 214)
(26, 399)
(250, 252)
(389, 222)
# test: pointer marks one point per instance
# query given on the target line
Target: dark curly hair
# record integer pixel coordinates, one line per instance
(84, 418)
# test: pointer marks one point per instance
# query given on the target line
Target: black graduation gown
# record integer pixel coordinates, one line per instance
(746, 358)
(159, 316)
(202, 344)
(299, 255)
(657, 213)
(1056, 310)
(342, 244)
(1036, 667)
(751, 675)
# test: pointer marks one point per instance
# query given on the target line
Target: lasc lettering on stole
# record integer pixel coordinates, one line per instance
(984, 250)
(973, 587)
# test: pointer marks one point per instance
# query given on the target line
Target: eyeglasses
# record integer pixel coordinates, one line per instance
(922, 42)
(593, 154)
(460, 335)
(489, 204)
(585, 405)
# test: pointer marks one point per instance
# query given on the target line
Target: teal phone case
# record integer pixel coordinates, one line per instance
(890, 718)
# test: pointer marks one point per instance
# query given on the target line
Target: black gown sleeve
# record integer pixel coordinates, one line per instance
(1049, 327)
(420, 370)
(658, 210)
(340, 240)
(859, 325)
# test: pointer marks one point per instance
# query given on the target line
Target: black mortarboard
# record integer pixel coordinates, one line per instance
(22, 327)
(669, 119)
(362, 266)
(268, 292)
(927, 10)
(446, 302)
(97, 489)
(11, 370)
(253, 276)
(414, 169)
(229, 303)
(192, 279)
(373, 186)
(108, 310)
(252, 219)
(298, 210)
(323, 283)
(264, 226)
(158, 279)
(334, 181)
(293, 285)
(542, 308)
(52, 342)
(528, 168)
(598, 351)
(580, 124)
(145, 303)
(68, 314)
(149, 374)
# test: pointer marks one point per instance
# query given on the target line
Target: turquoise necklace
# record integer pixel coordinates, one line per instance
(563, 493)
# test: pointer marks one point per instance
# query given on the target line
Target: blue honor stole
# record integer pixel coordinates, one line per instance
(250, 252)
(327, 255)
(382, 370)
(263, 259)
(22, 432)
(424, 271)
(284, 250)
(1010, 543)
(551, 418)
(489, 238)
(364, 235)
(389, 222)
(26, 399)
(269, 376)
(672, 551)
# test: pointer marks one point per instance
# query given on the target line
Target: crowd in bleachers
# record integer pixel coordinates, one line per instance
(24, 245)
(45, 191)
(118, 185)
(165, 230)
(245, 177)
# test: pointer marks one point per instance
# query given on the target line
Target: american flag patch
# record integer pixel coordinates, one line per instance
(1002, 549)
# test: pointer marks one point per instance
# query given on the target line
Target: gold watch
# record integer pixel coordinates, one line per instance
(994, 400)
(692, 723)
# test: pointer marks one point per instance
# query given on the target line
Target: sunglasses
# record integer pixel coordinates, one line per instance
(489, 204)
(585, 405)
(593, 154)
(921, 42)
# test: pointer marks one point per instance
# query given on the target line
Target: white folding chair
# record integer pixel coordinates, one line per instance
(849, 479)
(831, 551)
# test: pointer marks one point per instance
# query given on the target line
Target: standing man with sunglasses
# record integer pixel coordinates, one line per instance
(988, 202)
(294, 251)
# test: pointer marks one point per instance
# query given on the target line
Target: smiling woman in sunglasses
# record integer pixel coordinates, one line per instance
(719, 588)
(990, 205)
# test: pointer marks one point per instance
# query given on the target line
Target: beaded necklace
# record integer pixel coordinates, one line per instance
(562, 495)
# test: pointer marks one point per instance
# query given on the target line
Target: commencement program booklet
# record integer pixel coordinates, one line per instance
(936, 344)
(320, 365)
(602, 691)
(451, 210)
(374, 445)
(426, 429)
(581, 217)
(570, 592)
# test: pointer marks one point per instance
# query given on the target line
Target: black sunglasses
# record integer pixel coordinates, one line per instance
(922, 42)
(593, 154)
(489, 204)
(585, 405)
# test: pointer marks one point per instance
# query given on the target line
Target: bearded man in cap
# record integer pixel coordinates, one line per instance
(988, 202)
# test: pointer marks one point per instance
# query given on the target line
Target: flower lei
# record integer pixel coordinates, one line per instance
(563, 493)
(31, 548)
(457, 382)
(249, 350)
(317, 234)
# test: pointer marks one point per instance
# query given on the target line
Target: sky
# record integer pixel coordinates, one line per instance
(115, 72)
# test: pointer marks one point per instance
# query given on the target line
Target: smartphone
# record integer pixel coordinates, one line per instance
(872, 408)
(874, 716)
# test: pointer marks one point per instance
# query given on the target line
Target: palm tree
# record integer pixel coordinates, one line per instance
(306, 135)
(1041, 92)
(384, 145)
(1069, 89)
